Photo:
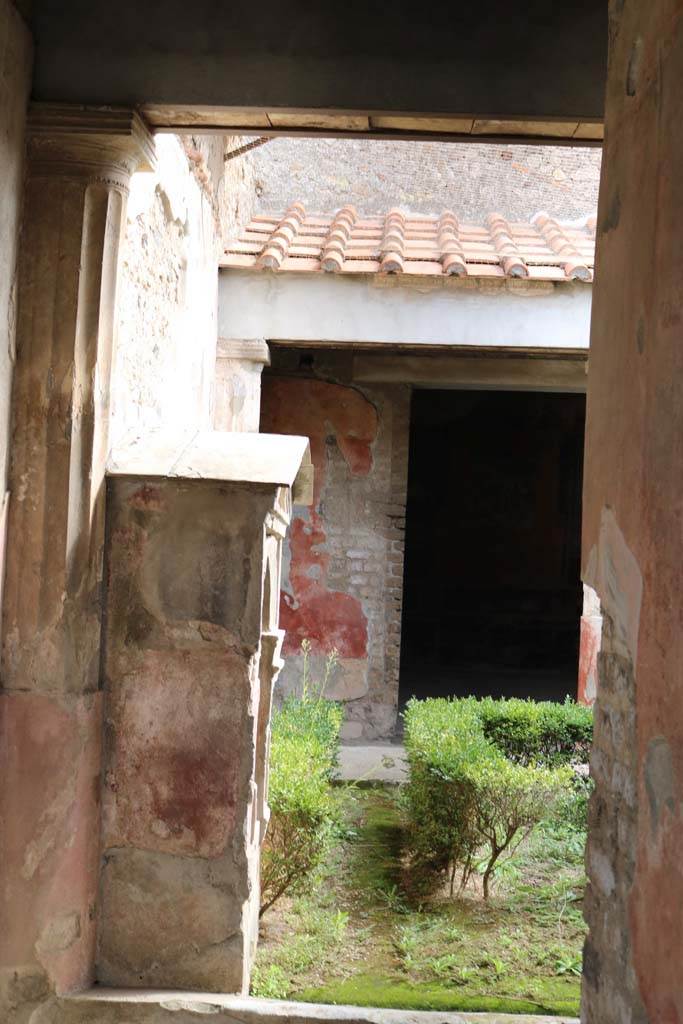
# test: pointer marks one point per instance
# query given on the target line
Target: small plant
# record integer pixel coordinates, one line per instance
(392, 897)
(304, 810)
(269, 982)
(569, 964)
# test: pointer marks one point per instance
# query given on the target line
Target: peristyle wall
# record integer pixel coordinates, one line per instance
(342, 577)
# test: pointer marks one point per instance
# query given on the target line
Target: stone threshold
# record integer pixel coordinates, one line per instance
(143, 1006)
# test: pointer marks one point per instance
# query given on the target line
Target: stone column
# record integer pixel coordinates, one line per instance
(78, 165)
(237, 388)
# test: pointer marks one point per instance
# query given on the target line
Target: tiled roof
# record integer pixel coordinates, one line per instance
(402, 243)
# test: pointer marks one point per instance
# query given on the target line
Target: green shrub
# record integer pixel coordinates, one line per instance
(573, 808)
(464, 798)
(443, 739)
(304, 816)
(541, 732)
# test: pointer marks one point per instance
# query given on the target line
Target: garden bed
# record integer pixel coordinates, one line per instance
(361, 937)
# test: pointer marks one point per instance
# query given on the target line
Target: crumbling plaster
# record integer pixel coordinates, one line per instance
(343, 565)
(177, 221)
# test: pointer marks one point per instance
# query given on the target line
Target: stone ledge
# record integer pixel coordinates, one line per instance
(143, 1006)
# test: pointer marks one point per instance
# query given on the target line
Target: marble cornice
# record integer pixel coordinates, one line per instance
(98, 144)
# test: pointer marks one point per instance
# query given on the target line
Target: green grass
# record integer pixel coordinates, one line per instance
(391, 993)
(360, 938)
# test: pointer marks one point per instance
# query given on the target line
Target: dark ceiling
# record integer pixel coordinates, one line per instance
(539, 59)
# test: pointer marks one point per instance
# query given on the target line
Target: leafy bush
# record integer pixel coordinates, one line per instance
(541, 732)
(511, 799)
(304, 815)
(464, 798)
(443, 740)
(573, 808)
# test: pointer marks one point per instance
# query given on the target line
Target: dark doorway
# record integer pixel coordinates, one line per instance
(492, 595)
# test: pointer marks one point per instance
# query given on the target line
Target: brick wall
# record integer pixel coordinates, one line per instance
(342, 584)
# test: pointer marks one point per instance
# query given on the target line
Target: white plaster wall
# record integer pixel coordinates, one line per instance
(16, 56)
(176, 221)
(471, 312)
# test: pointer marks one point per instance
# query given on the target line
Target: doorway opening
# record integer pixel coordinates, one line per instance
(492, 591)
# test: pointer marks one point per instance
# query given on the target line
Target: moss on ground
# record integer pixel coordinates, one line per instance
(389, 993)
(359, 938)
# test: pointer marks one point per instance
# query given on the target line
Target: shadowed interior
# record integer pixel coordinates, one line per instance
(492, 594)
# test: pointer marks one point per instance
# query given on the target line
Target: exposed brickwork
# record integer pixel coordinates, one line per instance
(610, 989)
(356, 526)
(427, 177)
(377, 711)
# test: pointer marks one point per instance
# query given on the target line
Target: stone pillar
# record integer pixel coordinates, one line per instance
(237, 388)
(589, 646)
(78, 166)
(633, 529)
(191, 653)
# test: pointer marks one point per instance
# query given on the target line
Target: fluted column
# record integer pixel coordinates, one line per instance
(79, 166)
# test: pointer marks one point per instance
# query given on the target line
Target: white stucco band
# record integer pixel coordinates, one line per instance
(483, 313)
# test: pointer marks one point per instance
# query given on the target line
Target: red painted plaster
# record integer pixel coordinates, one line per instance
(50, 762)
(317, 409)
(656, 911)
(174, 764)
(589, 648)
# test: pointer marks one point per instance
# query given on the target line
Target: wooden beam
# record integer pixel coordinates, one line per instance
(473, 373)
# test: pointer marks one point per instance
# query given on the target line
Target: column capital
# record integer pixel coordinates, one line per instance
(249, 350)
(104, 144)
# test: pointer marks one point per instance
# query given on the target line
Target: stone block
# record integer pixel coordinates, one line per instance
(191, 653)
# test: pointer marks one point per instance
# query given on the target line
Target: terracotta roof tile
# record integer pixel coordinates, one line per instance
(337, 238)
(404, 243)
(279, 242)
(393, 243)
(559, 241)
(510, 259)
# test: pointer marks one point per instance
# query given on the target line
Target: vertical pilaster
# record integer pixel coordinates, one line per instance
(78, 166)
(237, 386)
